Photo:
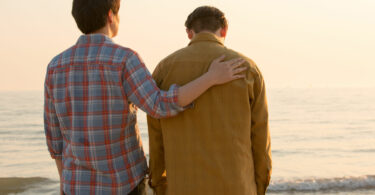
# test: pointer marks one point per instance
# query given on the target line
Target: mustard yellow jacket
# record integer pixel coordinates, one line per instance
(222, 144)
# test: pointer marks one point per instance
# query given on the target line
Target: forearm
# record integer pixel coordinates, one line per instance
(218, 73)
(58, 162)
(189, 92)
(59, 166)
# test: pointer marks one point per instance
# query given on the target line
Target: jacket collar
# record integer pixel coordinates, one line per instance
(205, 36)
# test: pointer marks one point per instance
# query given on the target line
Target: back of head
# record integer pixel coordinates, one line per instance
(91, 15)
(206, 18)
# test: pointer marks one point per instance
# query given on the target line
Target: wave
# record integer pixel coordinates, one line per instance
(324, 184)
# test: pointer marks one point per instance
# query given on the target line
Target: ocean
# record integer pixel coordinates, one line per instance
(323, 142)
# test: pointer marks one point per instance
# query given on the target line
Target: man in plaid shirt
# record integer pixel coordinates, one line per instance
(91, 91)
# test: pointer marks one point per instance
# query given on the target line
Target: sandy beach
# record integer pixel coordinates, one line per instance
(19, 184)
(34, 185)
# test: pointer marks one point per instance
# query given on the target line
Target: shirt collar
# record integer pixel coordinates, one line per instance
(93, 39)
(206, 36)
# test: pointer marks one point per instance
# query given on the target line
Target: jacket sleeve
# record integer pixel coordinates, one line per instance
(158, 180)
(260, 135)
(141, 90)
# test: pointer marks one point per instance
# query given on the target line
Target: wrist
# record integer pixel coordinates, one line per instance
(210, 79)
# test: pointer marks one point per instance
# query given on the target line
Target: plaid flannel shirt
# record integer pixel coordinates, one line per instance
(89, 117)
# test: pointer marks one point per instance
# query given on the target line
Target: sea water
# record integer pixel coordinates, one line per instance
(323, 141)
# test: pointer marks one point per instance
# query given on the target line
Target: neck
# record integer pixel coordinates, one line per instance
(105, 31)
(217, 33)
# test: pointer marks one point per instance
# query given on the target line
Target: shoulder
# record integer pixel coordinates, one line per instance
(170, 60)
(130, 57)
(121, 53)
(60, 58)
(253, 67)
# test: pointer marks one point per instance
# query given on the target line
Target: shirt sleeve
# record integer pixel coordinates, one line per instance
(141, 90)
(51, 124)
(260, 135)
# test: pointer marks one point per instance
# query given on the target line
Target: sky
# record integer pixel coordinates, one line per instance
(295, 43)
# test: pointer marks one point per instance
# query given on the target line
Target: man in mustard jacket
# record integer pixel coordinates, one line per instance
(221, 145)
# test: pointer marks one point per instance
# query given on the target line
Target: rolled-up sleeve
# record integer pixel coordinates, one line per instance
(260, 135)
(141, 90)
(51, 124)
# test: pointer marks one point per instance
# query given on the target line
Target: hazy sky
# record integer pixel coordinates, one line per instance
(296, 43)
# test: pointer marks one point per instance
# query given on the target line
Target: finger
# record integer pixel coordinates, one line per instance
(219, 59)
(238, 76)
(237, 64)
(238, 70)
(233, 61)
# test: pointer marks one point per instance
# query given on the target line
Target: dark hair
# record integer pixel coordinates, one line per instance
(206, 18)
(91, 15)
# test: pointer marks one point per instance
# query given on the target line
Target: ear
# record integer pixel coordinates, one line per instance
(190, 33)
(223, 32)
(110, 17)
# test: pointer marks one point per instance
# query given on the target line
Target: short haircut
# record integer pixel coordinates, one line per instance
(91, 15)
(206, 18)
